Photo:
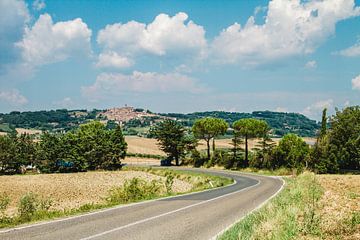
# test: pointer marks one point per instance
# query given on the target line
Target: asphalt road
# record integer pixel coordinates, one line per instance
(194, 216)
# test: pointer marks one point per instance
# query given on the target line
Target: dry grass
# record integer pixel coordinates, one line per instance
(141, 161)
(143, 145)
(3, 133)
(72, 190)
(27, 131)
(340, 201)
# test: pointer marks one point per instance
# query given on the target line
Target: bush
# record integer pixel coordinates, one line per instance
(169, 182)
(134, 190)
(4, 203)
(30, 205)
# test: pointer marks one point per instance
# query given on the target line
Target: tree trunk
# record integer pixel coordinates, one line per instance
(213, 145)
(208, 148)
(177, 160)
(246, 152)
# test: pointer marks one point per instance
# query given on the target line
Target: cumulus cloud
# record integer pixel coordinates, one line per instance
(311, 64)
(315, 109)
(38, 5)
(352, 51)
(290, 28)
(13, 18)
(165, 35)
(113, 60)
(13, 97)
(112, 84)
(48, 42)
(356, 83)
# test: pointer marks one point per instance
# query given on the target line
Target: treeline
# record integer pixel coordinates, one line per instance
(337, 148)
(281, 123)
(60, 119)
(92, 146)
(66, 120)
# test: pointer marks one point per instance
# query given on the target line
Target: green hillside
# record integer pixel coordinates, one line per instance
(281, 123)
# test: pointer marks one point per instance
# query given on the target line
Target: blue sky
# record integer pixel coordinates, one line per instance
(180, 56)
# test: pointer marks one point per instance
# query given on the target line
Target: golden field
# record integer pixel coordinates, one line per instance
(339, 206)
(72, 190)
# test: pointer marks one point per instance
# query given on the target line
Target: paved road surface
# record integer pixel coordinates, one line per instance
(195, 216)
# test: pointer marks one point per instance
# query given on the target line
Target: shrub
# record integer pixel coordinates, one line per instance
(4, 203)
(30, 205)
(169, 182)
(134, 190)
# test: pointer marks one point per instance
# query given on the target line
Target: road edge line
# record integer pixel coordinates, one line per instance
(255, 209)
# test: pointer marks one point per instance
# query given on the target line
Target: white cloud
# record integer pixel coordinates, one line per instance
(315, 109)
(13, 18)
(352, 51)
(290, 28)
(38, 5)
(13, 97)
(64, 103)
(113, 60)
(281, 109)
(48, 42)
(311, 64)
(347, 103)
(113, 84)
(356, 83)
(165, 35)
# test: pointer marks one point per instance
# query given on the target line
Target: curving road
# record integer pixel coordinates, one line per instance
(200, 215)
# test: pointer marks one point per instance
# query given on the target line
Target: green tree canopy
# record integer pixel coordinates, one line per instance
(344, 138)
(170, 135)
(209, 128)
(292, 152)
(249, 128)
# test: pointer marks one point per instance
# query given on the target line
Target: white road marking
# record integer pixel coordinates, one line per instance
(167, 213)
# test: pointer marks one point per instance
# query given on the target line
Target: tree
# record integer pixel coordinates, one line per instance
(323, 124)
(248, 128)
(170, 136)
(7, 154)
(291, 152)
(344, 138)
(117, 150)
(49, 151)
(265, 145)
(209, 128)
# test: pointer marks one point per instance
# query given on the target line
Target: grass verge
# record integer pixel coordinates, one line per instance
(302, 211)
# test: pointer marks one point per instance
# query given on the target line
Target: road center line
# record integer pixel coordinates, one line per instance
(167, 213)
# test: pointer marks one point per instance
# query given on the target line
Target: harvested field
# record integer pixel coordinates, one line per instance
(27, 131)
(340, 205)
(73, 190)
(141, 161)
(143, 145)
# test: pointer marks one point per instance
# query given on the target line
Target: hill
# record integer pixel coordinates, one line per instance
(137, 121)
(280, 122)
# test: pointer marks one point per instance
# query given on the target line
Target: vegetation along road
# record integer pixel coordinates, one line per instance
(201, 215)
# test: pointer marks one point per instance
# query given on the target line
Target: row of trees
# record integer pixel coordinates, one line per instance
(336, 148)
(91, 146)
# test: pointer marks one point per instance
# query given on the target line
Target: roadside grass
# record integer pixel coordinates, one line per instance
(32, 207)
(305, 209)
(276, 172)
